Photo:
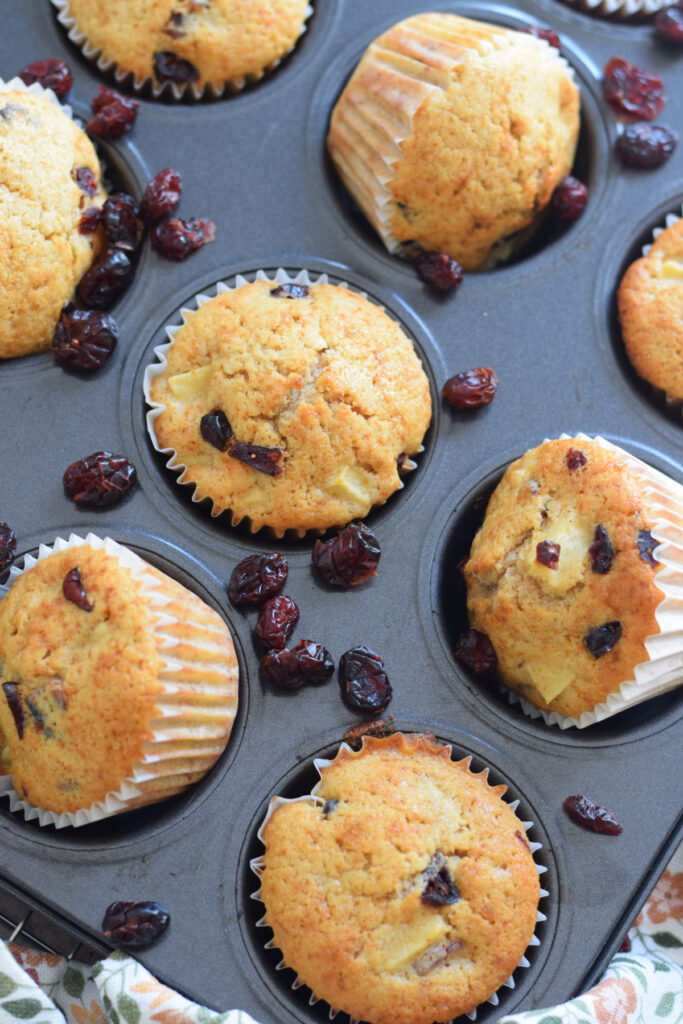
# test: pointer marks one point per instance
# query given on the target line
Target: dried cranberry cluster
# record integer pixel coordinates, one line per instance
(216, 431)
(635, 94)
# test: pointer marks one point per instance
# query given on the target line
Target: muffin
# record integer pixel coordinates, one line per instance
(289, 404)
(452, 134)
(51, 175)
(187, 42)
(650, 302)
(120, 686)
(566, 579)
(406, 892)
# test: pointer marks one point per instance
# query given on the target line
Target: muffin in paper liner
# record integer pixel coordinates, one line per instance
(352, 487)
(127, 77)
(190, 684)
(413, 133)
(653, 313)
(663, 671)
(406, 746)
(41, 214)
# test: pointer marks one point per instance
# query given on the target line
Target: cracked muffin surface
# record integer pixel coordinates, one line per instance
(223, 40)
(560, 559)
(327, 381)
(41, 203)
(409, 894)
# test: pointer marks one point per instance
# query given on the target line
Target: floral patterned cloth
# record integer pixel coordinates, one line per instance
(643, 986)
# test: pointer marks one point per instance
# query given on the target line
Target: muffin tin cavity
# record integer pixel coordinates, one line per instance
(281, 983)
(123, 829)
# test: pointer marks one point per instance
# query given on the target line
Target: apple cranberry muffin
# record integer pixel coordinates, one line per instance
(452, 134)
(190, 41)
(408, 894)
(50, 175)
(651, 312)
(119, 686)
(290, 404)
(561, 576)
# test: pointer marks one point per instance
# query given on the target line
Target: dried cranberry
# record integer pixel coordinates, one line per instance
(544, 32)
(601, 639)
(51, 74)
(168, 67)
(440, 889)
(162, 195)
(645, 541)
(569, 199)
(645, 146)
(114, 114)
(257, 578)
(548, 554)
(625, 947)
(176, 239)
(86, 180)
(90, 220)
(575, 459)
(122, 221)
(276, 621)
(100, 479)
(308, 662)
(74, 591)
(601, 551)
(8, 545)
(329, 806)
(84, 339)
(349, 558)
(475, 650)
(135, 925)
(109, 275)
(471, 388)
(266, 460)
(669, 24)
(11, 692)
(632, 92)
(215, 429)
(591, 816)
(439, 270)
(289, 290)
(363, 680)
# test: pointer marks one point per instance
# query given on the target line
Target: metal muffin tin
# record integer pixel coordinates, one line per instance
(255, 164)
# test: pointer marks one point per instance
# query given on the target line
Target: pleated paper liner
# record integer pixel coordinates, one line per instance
(281, 276)
(161, 90)
(390, 85)
(257, 865)
(194, 713)
(619, 9)
(663, 671)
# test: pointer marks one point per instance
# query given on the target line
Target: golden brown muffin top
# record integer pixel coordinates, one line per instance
(41, 205)
(537, 616)
(354, 888)
(224, 40)
(83, 683)
(329, 380)
(651, 312)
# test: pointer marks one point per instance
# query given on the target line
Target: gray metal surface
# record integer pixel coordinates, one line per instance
(256, 165)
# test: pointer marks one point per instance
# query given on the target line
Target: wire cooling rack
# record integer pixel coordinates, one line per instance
(25, 920)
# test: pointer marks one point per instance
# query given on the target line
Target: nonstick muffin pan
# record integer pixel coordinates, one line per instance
(255, 164)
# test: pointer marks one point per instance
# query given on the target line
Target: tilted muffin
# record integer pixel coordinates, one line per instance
(562, 578)
(452, 134)
(651, 312)
(319, 392)
(193, 42)
(408, 892)
(120, 686)
(51, 174)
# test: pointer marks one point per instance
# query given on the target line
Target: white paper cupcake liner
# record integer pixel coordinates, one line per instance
(165, 90)
(155, 369)
(663, 498)
(366, 136)
(257, 866)
(619, 9)
(180, 698)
